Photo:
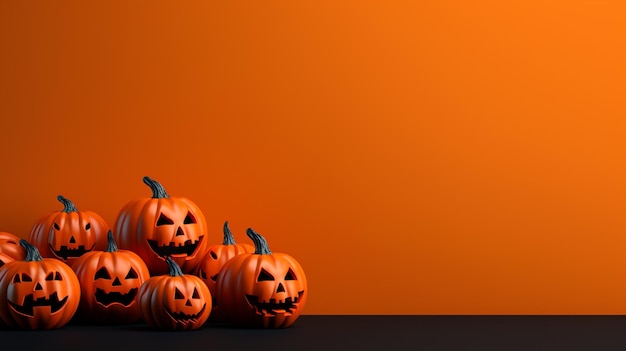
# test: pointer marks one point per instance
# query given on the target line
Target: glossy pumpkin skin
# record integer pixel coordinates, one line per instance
(69, 233)
(110, 281)
(162, 226)
(175, 301)
(37, 293)
(214, 260)
(10, 249)
(262, 289)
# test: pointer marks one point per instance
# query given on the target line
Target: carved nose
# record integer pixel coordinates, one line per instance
(281, 288)
(38, 287)
(180, 231)
(188, 303)
(72, 240)
(117, 282)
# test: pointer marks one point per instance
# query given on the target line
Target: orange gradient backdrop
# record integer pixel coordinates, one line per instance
(416, 157)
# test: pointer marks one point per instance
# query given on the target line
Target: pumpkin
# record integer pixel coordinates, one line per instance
(69, 233)
(213, 262)
(10, 249)
(174, 301)
(37, 293)
(110, 281)
(262, 289)
(162, 226)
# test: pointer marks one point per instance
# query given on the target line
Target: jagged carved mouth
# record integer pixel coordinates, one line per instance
(64, 252)
(26, 308)
(107, 299)
(274, 307)
(185, 318)
(187, 248)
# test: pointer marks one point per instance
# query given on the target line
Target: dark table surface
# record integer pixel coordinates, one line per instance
(348, 333)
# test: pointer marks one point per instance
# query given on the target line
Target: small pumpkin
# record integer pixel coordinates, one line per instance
(174, 301)
(163, 226)
(213, 262)
(10, 249)
(37, 293)
(69, 233)
(110, 281)
(262, 289)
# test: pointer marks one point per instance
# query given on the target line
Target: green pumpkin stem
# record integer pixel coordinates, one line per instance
(260, 245)
(228, 235)
(68, 206)
(32, 253)
(175, 270)
(112, 246)
(158, 192)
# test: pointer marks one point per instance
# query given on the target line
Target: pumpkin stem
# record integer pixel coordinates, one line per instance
(228, 235)
(158, 192)
(68, 206)
(175, 270)
(112, 247)
(32, 253)
(260, 245)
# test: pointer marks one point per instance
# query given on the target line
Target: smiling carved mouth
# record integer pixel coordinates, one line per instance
(273, 307)
(187, 248)
(64, 252)
(106, 299)
(185, 318)
(26, 308)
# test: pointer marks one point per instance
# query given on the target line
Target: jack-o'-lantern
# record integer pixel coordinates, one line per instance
(214, 260)
(174, 301)
(262, 289)
(37, 293)
(162, 226)
(69, 233)
(10, 249)
(110, 281)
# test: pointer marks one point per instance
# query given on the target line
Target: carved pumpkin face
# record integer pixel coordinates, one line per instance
(213, 262)
(38, 293)
(163, 226)
(70, 233)
(262, 289)
(110, 282)
(10, 249)
(175, 301)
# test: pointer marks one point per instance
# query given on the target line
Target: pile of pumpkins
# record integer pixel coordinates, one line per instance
(156, 265)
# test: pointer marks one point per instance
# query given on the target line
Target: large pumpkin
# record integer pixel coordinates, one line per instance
(213, 262)
(262, 289)
(69, 233)
(163, 226)
(175, 301)
(10, 249)
(37, 293)
(110, 281)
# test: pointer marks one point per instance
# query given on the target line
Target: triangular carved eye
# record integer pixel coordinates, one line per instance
(131, 274)
(195, 294)
(290, 275)
(56, 226)
(189, 219)
(17, 279)
(57, 276)
(50, 276)
(88, 226)
(264, 275)
(26, 278)
(164, 220)
(178, 295)
(102, 273)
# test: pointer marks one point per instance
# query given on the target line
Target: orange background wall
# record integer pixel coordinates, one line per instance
(416, 157)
